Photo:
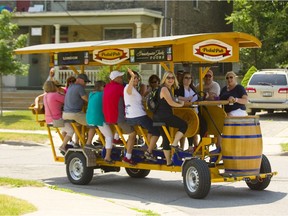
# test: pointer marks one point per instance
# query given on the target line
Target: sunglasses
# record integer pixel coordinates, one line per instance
(169, 77)
(188, 78)
(153, 82)
(208, 76)
(230, 77)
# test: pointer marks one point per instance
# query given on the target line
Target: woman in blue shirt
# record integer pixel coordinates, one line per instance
(95, 117)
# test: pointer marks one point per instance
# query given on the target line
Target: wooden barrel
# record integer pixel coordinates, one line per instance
(242, 145)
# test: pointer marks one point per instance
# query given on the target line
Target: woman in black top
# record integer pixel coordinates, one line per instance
(235, 94)
(164, 113)
(187, 92)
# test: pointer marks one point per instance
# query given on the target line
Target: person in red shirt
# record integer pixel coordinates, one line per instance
(114, 110)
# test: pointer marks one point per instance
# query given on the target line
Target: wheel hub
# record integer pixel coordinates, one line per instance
(76, 168)
(192, 179)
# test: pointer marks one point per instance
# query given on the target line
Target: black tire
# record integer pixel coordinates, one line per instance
(196, 178)
(137, 173)
(76, 169)
(265, 168)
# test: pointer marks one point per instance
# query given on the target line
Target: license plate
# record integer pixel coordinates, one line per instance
(267, 94)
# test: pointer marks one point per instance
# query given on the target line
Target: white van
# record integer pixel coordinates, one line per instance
(267, 90)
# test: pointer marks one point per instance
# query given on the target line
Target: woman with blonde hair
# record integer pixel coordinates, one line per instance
(235, 94)
(165, 114)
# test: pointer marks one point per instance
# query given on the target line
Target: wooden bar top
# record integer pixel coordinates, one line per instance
(206, 103)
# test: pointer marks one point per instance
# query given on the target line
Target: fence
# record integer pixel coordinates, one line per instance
(64, 74)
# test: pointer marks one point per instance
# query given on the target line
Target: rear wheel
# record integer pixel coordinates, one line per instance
(261, 184)
(137, 173)
(76, 169)
(197, 179)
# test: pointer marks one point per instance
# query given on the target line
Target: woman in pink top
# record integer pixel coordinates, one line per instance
(53, 103)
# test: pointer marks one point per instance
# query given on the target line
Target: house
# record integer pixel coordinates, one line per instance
(58, 21)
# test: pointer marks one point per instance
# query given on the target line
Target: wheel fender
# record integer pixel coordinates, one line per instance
(89, 155)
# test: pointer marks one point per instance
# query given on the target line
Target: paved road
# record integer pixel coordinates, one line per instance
(162, 192)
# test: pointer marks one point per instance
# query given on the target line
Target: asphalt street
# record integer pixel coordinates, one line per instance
(161, 192)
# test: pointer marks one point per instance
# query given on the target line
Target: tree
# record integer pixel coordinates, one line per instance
(247, 76)
(268, 21)
(9, 63)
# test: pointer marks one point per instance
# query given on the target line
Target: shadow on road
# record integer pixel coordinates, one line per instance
(171, 192)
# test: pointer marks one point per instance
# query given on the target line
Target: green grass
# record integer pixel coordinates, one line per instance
(23, 137)
(20, 119)
(146, 212)
(13, 206)
(284, 147)
(5, 181)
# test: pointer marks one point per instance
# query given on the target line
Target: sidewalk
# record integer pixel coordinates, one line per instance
(54, 202)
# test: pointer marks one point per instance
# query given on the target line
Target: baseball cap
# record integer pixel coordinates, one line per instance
(83, 77)
(115, 74)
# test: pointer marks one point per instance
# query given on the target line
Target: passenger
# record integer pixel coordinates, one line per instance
(114, 111)
(74, 101)
(235, 94)
(164, 114)
(39, 98)
(53, 102)
(136, 114)
(51, 76)
(210, 87)
(179, 76)
(70, 80)
(187, 92)
(237, 97)
(154, 82)
(95, 117)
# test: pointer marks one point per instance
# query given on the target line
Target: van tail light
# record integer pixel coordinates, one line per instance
(250, 90)
(283, 91)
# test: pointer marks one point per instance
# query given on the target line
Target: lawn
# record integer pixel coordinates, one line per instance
(284, 147)
(20, 119)
(13, 206)
(23, 137)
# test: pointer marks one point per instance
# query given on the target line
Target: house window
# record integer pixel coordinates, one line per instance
(195, 3)
(117, 33)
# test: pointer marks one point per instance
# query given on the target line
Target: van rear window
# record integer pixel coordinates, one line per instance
(268, 79)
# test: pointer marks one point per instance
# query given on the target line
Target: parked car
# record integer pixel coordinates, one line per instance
(267, 90)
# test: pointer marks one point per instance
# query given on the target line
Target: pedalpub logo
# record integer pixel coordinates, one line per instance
(110, 56)
(212, 50)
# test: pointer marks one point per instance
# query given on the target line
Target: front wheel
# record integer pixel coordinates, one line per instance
(76, 169)
(258, 184)
(196, 178)
(137, 173)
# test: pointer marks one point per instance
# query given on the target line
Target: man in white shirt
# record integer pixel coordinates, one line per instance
(211, 87)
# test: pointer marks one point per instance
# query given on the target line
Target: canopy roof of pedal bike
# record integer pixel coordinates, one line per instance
(195, 48)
